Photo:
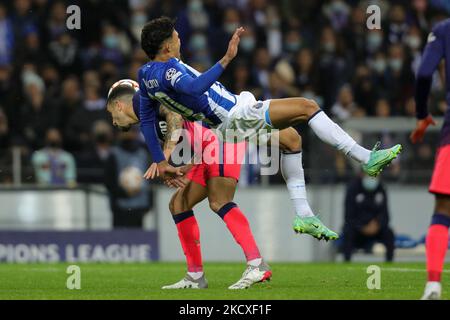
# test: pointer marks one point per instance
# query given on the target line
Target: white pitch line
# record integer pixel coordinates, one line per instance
(409, 270)
(402, 270)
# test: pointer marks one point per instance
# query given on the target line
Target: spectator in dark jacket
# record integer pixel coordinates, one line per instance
(129, 193)
(367, 217)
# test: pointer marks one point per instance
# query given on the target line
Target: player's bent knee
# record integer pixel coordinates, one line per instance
(178, 203)
(309, 106)
(217, 205)
(172, 203)
(291, 140)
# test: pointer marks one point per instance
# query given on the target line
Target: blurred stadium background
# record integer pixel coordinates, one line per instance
(58, 208)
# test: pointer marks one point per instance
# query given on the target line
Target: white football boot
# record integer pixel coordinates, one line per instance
(432, 291)
(189, 283)
(253, 275)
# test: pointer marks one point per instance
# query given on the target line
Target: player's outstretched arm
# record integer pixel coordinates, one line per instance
(160, 168)
(148, 129)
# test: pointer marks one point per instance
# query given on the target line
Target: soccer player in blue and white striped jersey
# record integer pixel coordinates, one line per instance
(165, 79)
(200, 97)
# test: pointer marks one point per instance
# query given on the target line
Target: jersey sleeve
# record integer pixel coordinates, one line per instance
(177, 77)
(147, 115)
(432, 55)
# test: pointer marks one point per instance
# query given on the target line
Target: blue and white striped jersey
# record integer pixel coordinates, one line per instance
(196, 96)
(165, 82)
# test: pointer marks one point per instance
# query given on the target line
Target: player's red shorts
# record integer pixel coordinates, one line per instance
(440, 182)
(217, 160)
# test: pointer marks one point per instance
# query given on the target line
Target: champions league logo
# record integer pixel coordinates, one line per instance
(170, 73)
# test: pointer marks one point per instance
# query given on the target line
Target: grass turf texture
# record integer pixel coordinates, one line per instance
(143, 281)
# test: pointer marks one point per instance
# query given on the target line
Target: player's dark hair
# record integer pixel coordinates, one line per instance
(118, 92)
(154, 33)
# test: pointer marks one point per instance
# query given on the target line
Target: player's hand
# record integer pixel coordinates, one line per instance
(185, 169)
(163, 170)
(232, 47)
(152, 171)
(421, 127)
(178, 182)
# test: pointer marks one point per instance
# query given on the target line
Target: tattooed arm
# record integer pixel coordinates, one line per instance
(174, 125)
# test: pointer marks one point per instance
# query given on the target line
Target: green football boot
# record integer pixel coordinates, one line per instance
(380, 159)
(314, 227)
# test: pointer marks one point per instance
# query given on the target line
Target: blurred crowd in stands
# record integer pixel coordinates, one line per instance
(55, 79)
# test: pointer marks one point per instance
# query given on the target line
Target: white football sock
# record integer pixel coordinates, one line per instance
(293, 174)
(255, 262)
(196, 275)
(329, 132)
(359, 153)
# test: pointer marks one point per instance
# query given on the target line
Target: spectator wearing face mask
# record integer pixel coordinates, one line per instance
(115, 46)
(397, 26)
(91, 162)
(364, 90)
(248, 43)
(374, 41)
(199, 49)
(413, 42)
(399, 77)
(64, 53)
(37, 114)
(366, 217)
(378, 66)
(345, 105)
(337, 13)
(52, 165)
(333, 66)
(292, 43)
(129, 193)
(80, 123)
(219, 40)
(304, 68)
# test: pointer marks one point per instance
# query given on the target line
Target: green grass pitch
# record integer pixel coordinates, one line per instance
(143, 281)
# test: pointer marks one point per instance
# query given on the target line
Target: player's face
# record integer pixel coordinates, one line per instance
(120, 118)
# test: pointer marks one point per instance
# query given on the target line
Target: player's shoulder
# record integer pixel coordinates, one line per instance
(143, 70)
(156, 68)
(136, 100)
